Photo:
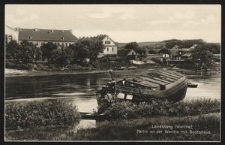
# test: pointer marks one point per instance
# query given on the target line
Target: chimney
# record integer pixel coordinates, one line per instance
(71, 31)
(35, 29)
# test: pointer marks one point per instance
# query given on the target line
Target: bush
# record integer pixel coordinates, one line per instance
(55, 113)
(11, 65)
(127, 109)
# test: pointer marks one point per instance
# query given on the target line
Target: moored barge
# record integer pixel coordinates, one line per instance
(163, 84)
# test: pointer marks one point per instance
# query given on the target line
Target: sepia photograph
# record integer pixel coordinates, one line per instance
(112, 72)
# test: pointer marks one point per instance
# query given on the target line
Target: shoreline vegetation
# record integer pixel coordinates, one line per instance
(197, 120)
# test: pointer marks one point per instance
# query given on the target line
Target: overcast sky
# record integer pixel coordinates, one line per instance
(123, 23)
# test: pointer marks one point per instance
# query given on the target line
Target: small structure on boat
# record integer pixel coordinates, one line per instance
(163, 84)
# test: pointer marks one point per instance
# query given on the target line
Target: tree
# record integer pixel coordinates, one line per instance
(80, 51)
(12, 51)
(202, 55)
(189, 43)
(67, 56)
(171, 43)
(27, 52)
(38, 54)
(164, 51)
(214, 47)
(86, 48)
(135, 47)
(47, 50)
(152, 51)
(95, 47)
(132, 45)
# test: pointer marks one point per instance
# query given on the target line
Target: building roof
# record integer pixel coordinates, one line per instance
(46, 35)
(102, 36)
(124, 52)
(10, 28)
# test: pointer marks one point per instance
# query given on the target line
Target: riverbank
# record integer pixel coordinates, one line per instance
(15, 73)
(190, 73)
(197, 120)
(205, 127)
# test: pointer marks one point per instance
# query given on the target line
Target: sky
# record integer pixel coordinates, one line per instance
(123, 23)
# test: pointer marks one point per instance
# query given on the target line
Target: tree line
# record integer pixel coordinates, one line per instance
(86, 48)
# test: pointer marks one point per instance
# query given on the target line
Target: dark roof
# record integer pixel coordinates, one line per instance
(46, 35)
(102, 36)
(124, 52)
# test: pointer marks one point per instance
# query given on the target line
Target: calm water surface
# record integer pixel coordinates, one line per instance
(81, 88)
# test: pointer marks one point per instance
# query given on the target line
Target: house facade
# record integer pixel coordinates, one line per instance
(11, 34)
(181, 53)
(41, 36)
(110, 47)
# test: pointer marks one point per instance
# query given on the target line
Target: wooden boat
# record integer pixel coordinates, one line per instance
(163, 84)
(91, 116)
(190, 85)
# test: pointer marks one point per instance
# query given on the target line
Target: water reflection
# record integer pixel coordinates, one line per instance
(85, 124)
(207, 88)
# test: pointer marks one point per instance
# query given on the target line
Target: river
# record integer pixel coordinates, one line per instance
(81, 88)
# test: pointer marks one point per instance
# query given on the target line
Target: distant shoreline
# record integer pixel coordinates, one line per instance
(18, 73)
(26, 73)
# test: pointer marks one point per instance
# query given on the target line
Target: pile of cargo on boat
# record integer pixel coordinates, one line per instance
(159, 85)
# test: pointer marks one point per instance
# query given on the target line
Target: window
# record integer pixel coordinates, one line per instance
(112, 49)
(107, 42)
(107, 49)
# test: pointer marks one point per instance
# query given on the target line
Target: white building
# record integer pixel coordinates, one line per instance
(40, 36)
(11, 34)
(110, 47)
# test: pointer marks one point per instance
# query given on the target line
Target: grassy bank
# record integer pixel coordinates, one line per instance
(36, 114)
(128, 110)
(193, 128)
(200, 128)
(190, 120)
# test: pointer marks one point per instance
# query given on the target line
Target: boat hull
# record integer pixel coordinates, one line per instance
(175, 91)
(175, 94)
